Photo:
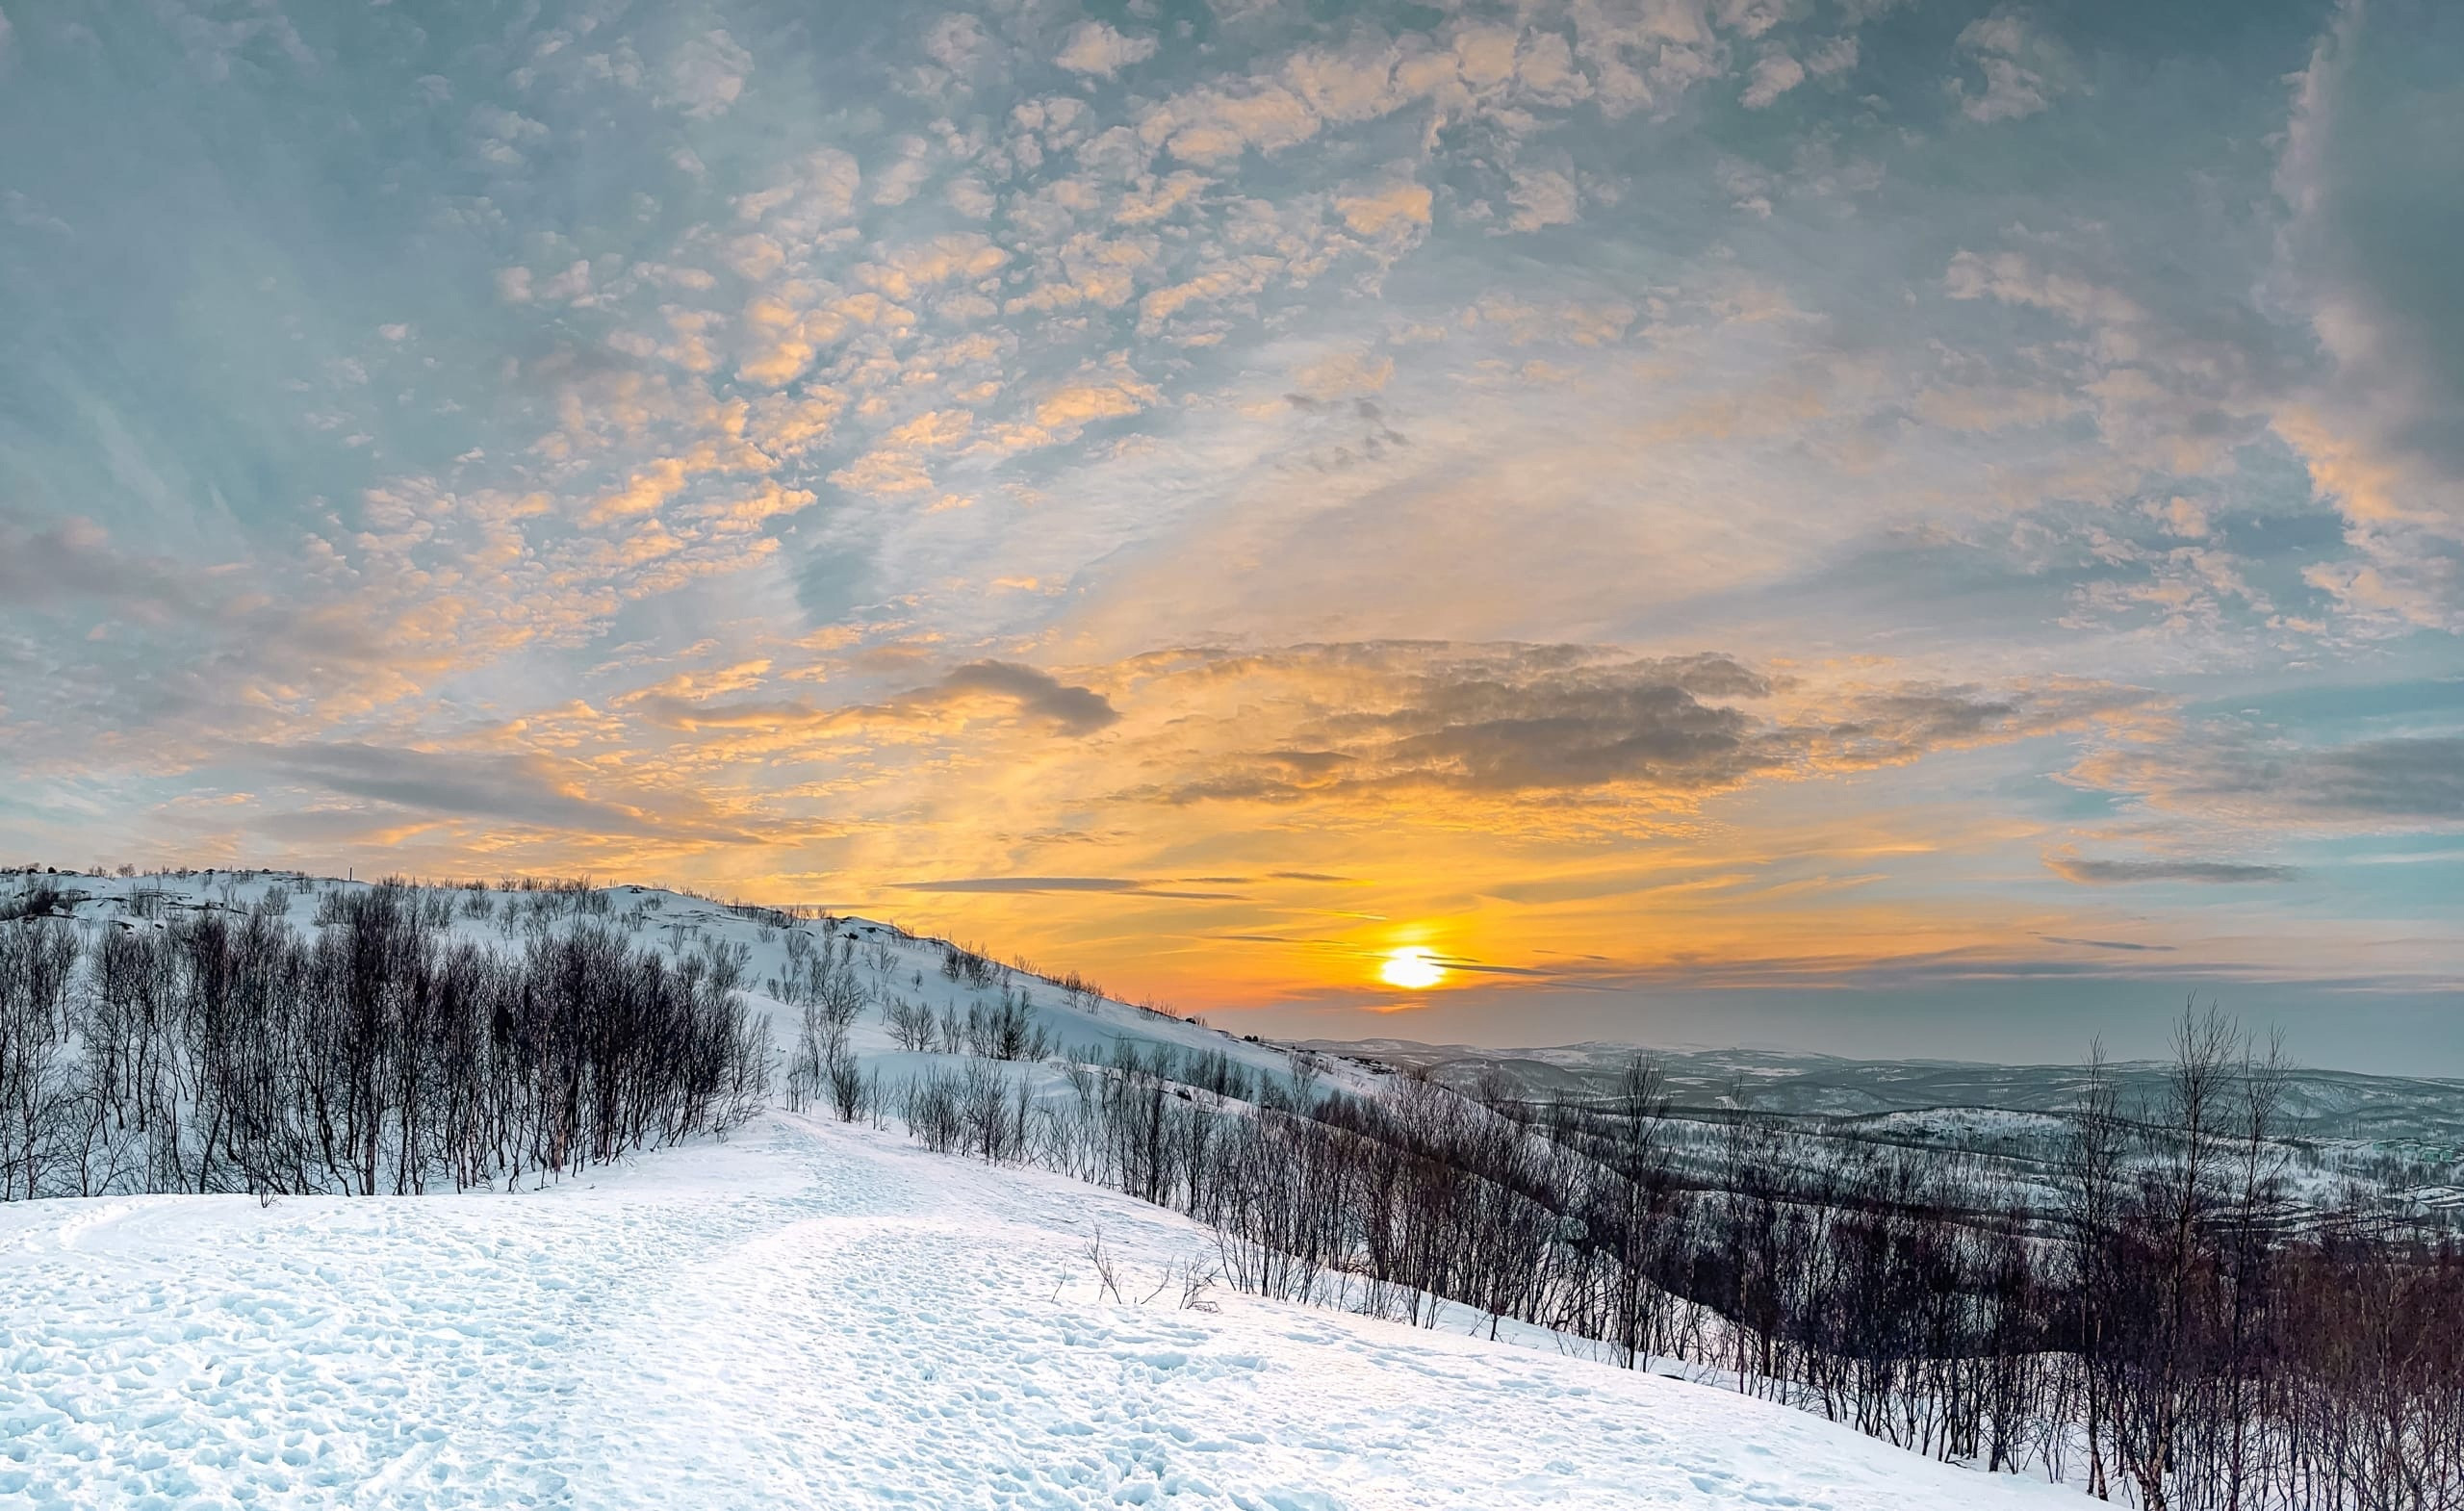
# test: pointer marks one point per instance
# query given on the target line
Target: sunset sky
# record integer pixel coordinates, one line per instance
(1890, 527)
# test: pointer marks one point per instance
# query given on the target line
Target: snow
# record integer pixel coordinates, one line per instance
(808, 1315)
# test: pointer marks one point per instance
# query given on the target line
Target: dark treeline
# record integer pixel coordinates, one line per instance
(2159, 1323)
(229, 1050)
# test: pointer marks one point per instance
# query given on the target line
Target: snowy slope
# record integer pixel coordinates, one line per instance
(810, 1315)
(1081, 1025)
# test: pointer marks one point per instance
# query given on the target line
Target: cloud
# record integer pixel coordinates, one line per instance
(1543, 197)
(1094, 49)
(1636, 725)
(1342, 375)
(73, 558)
(1836, 56)
(499, 135)
(1215, 125)
(532, 790)
(2398, 779)
(1399, 206)
(2023, 70)
(1085, 403)
(645, 492)
(1773, 75)
(2013, 279)
(196, 656)
(909, 271)
(1073, 710)
(1026, 883)
(2128, 946)
(1026, 692)
(2377, 207)
(2176, 385)
(2185, 519)
(708, 75)
(903, 462)
(2406, 781)
(1495, 721)
(2110, 873)
(1043, 885)
(897, 183)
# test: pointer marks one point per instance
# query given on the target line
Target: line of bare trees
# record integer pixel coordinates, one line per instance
(229, 1050)
(2157, 1321)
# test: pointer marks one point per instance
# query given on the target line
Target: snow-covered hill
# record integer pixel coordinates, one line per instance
(890, 964)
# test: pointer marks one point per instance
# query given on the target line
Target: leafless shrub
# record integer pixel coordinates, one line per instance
(1107, 1280)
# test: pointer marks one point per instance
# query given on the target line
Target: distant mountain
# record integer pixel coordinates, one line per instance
(2320, 1104)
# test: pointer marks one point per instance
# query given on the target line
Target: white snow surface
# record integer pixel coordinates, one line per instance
(810, 1313)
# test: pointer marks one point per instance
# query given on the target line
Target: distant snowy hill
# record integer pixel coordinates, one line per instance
(2323, 1103)
(2389, 1137)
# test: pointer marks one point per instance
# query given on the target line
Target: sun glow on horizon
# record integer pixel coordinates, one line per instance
(1412, 969)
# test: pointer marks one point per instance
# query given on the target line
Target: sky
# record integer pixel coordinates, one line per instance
(1883, 526)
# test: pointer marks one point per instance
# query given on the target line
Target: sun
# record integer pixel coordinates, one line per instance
(1413, 968)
